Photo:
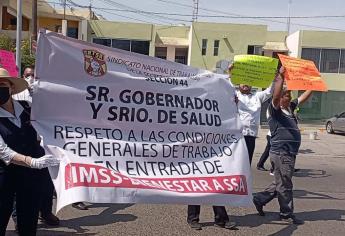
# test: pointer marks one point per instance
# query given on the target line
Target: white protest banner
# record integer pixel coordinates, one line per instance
(131, 128)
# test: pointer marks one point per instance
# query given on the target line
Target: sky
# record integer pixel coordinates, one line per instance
(155, 11)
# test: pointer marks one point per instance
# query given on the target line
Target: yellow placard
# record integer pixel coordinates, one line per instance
(253, 70)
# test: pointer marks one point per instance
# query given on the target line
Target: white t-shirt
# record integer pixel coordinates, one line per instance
(249, 108)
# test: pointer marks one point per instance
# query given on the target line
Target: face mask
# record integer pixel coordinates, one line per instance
(4, 95)
(30, 80)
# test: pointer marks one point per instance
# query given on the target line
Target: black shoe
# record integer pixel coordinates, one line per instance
(195, 225)
(227, 225)
(259, 207)
(261, 168)
(50, 219)
(80, 206)
(292, 220)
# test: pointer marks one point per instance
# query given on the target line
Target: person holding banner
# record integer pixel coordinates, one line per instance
(285, 143)
(221, 218)
(21, 159)
(46, 214)
(249, 108)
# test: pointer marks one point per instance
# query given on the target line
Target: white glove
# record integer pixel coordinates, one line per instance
(43, 162)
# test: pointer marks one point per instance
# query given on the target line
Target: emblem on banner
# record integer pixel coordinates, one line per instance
(94, 63)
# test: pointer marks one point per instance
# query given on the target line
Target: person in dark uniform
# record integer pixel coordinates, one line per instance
(21, 159)
(285, 143)
(46, 205)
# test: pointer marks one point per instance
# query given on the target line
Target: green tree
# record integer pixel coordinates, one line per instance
(28, 59)
(6, 43)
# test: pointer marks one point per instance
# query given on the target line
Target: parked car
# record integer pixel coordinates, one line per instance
(336, 124)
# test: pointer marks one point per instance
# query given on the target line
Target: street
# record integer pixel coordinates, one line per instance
(319, 193)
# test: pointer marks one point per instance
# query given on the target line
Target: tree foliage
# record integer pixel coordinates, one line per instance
(28, 59)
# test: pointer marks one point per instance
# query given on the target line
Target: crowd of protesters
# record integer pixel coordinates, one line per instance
(23, 163)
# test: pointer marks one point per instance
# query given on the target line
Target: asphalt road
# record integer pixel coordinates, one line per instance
(319, 200)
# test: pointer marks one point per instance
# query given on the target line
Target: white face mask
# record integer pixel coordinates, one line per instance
(30, 79)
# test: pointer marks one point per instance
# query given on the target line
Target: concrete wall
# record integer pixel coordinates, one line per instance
(173, 31)
(122, 30)
(234, 40)
(326, 39)
(293, 44)
(276, 36)
(51, 23)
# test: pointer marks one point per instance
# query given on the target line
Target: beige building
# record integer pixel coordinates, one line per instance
(327, 50)
(205, 45)
(48, 18)
(200, 45)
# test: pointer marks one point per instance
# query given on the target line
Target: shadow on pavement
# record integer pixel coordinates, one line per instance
(50, 233)
(319, 215)
(303, 194)
(311, 173)
(306, 151)
(254, 220)
(104, 218)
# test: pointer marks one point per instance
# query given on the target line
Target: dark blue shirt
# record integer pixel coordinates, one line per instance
(285, 135)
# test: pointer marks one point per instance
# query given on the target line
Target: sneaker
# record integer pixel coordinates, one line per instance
(80, 206)
(258, 207)
(292, 220)
(50, 219)
(261, 168)
(195, 225)
(227, 225)
(271, 173)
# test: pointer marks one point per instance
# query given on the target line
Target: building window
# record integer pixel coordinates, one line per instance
(161, 52)
(142, 47)
(181, 59)
(181, 55)
(330, 60)
(121, 44)
(342, 61)
(105, 42)
(138, 46)
(72, 32)
(326, 60)
(9, 22)
(204, 47)
(312, 54)
(255, 50)
(216, 48)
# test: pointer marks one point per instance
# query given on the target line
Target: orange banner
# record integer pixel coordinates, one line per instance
(302, 74)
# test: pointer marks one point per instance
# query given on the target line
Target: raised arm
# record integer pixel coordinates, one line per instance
(266, 94)
(278, 88)
(304, 96)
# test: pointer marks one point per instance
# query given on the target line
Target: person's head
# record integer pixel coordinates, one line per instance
(29, 75)
(6, 88)
(245, 89)
(285, 99)
(10, 86)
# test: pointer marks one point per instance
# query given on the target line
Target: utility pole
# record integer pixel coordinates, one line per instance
(64, 9)
(34, 20)
(64, 21)
(90, 11)
(34, 25)
(19, 35)
(289, 17)
(195, 10)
